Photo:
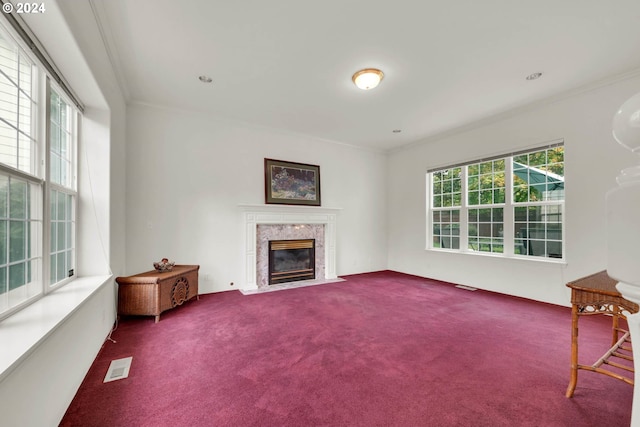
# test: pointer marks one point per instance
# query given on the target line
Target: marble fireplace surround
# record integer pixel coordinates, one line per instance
(288, 221)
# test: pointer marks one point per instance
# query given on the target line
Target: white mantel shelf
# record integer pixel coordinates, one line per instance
(275, 208)
(252, 215)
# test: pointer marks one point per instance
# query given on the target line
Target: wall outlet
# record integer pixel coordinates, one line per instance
(207, 277)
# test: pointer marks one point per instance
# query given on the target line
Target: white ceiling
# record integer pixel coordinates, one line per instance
(287, 64)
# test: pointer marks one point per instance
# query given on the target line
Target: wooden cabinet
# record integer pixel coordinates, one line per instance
(152, 292)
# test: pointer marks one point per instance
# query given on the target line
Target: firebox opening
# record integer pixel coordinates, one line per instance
(291, 260)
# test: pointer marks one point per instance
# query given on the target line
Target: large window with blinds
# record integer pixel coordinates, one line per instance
(38, 140)
(510, 205)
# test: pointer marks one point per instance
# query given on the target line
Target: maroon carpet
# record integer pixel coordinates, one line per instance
(381, 349)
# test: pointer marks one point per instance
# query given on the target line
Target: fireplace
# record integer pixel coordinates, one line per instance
(291, 260)
(262, 223)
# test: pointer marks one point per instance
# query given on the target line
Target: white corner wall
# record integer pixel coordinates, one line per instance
(593, 160)
(187, 174)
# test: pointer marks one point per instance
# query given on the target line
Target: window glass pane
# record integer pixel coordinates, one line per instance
(437, 187)
(474, 197)
(55, 137)
(61, 265)
(18, 199)
(53, 205)
(55, 107)
(538, 231)
(3, 288)
(4, 242)
(20, 238)
(69, 208)
(17, 109)
(53, 268)
(539, 176)
(489, 180)
(473, 183)
(17, 241)
(446, 229)
(26, 72)
(486, 182)
(61, 139)
(8, 144)
(62, 206)
(24, 153)
(17, 275)
(486, 230)
(54, 236)
(486, 197)
(484, 215)
(446, 188)
(61, 236)
(9, 57)
(4, 192)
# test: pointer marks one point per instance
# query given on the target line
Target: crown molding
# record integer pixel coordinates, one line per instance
(253, 126)
(589, 87)
(104, 27)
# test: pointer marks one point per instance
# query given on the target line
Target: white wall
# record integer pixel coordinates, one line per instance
(592, 158)
(38, 391)
(188, 173)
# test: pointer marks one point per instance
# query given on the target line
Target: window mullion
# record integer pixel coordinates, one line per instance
(509, 236)
(464, 213)
(46, 205)
(429, 210)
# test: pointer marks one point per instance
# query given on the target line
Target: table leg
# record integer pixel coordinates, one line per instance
(574, 351)
(616, 323)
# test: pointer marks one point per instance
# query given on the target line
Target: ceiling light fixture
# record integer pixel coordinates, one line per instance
(205, 79)
(368, 78)
(534, 76)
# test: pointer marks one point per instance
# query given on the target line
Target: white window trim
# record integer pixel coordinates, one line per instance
(508, 214)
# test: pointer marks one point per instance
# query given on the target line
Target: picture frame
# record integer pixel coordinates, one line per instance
(291, 183)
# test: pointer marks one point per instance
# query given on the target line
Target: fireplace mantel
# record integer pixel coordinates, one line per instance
(252, 215)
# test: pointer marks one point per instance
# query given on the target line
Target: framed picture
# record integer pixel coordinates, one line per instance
(290, 183)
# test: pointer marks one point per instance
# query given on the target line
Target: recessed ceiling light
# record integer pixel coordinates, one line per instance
(534, 76)
(205, 79)
(368, 78)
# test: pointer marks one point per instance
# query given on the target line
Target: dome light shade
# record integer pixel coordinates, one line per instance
(626, 124)
(368, 78)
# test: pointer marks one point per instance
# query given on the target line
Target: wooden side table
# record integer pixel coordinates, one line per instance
(152, 292)
(597, 294)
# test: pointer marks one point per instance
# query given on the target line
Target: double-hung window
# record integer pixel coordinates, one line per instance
(38, 140)
(510, 205)
(62, 193)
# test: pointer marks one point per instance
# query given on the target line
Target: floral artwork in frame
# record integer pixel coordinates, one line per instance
(291, 183)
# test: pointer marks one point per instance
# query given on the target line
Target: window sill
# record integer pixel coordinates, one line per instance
(23, 332)
(512, 257)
